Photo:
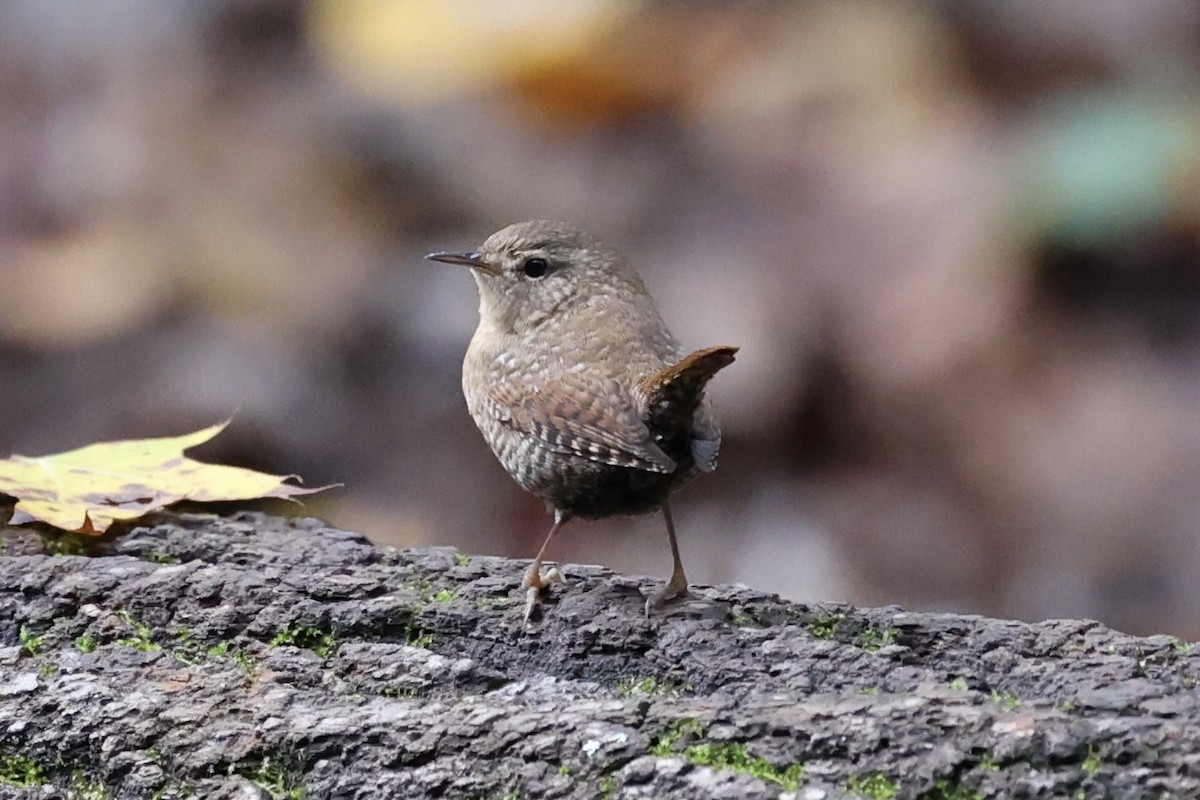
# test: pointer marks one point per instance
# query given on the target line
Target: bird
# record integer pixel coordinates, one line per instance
(580, 389)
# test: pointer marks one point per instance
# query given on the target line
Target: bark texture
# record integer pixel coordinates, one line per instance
(253, 656)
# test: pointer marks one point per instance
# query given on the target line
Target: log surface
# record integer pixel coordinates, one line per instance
(258, 657)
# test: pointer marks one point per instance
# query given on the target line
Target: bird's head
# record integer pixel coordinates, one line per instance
(531, 271)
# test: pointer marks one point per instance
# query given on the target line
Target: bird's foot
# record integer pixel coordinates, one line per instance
(676, 588)
(534, 582)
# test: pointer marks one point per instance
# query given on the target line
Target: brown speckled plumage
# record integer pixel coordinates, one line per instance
(576, 383)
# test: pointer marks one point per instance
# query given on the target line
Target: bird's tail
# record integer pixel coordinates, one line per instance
(675, 392)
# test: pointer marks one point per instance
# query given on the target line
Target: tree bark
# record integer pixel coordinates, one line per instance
(252, 656)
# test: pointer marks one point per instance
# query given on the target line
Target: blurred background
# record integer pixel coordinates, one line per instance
(958, 243)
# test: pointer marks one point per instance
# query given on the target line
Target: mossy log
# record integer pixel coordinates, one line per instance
(253, 656)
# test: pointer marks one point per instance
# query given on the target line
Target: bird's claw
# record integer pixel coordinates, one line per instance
(672, 591)
(534, 583)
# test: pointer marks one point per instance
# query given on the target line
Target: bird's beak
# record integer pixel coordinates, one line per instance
(474, 260)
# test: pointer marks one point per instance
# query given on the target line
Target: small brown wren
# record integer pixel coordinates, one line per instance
(579, 388)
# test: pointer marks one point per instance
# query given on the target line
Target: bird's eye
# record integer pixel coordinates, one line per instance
(535, 267)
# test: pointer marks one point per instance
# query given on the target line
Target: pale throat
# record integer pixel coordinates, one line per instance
(501, 313)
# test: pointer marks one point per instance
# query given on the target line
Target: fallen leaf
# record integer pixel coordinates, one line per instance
(415, 51)
(88, 489)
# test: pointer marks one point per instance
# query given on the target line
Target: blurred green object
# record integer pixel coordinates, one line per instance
(1108, 166)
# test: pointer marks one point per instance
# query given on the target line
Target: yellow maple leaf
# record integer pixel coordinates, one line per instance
(88, 489)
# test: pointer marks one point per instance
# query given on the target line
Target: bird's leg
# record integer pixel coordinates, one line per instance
(678, 585)
(534, 579)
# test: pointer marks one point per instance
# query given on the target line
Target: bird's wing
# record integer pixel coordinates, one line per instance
(674, 398)
(677, 389)
(574, 414)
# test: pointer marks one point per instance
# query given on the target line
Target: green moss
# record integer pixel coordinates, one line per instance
(428, 594)
(650, 686)
(1006, 700)
(874, 786)
(663, 745)
(143, 637)
(398, 692)
(418, 637)
(959, 684)
(178, 790)
(873, 639)
(1091, 764)
(732, 756)
(23, 772)
(271, 776)
(745, 619)
(462, 559)
(84, 788)
(638, 687)
(32, 643)
(825, 626)
(945, 790)
(422, 587)
(63, 543)
(246, 662)
(161, 558)
(735, 757)
(321, 642)
(1181, 646)
(185, 648)
(19, 771)
(225, 651)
